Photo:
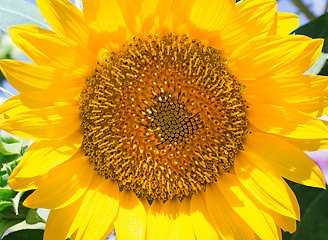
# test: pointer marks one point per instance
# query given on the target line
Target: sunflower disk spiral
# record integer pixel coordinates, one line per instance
(162, 116)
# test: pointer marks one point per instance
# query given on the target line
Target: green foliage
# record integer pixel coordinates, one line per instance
(27, 234)
(18, 12)
(12, 211)
(314, 213)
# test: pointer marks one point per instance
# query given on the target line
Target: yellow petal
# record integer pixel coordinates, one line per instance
(268, 188)
(44, 47)
(25, 118)
(285, 23)
(41, 82)
(251, 18)
(286, 122)
(256, 16)
(60, 221)
(305, 93)
(226, 221)
(155, 221)
(65, 19)
(290, 89)
(285, 223)
(173, 215)
(244, 206)
(90, 217)
(275, 55)
(278, 155)
(211, 15)
(309, 145)
(201, 221)
(41, 157)
(131, 217)
(140, 16)
(274, 227)
(63, 185)
(106, 22)
(102, 211)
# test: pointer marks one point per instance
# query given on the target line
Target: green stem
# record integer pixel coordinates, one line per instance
(304, 9)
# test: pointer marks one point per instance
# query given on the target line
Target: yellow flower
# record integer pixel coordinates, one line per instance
(166, 119)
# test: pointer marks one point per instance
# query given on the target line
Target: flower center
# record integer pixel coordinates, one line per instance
(162, 116)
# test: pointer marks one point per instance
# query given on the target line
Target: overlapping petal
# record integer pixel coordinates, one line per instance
(26, 118)
(131, 217)
(173, 215)
(245, 207)
(63, 185)
(45, 48)
(270, 189)
(41, 157)
(65, 19)
(202, 224)
(90, 216)
(286, 121)
(279, 156)
(42, 83)
(228, 224)
(275, 56)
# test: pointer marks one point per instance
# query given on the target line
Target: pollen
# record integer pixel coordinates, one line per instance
(162, 116)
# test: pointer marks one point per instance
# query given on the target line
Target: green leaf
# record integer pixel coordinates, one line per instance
(9, 213)
(32, 217)
(4, 205)
(7, 223)
(26, 234)
(10, 148)
(317, 28)
(305, 196)
(18, 12)
(6, 194)
(324, 70)
(315, 220)
(8, 138)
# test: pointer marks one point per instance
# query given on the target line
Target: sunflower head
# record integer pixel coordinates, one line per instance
(156, 114)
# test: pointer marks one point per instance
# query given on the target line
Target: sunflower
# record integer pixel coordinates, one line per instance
(166, 119)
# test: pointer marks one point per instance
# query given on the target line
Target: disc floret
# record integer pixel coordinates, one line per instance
(162, 116)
